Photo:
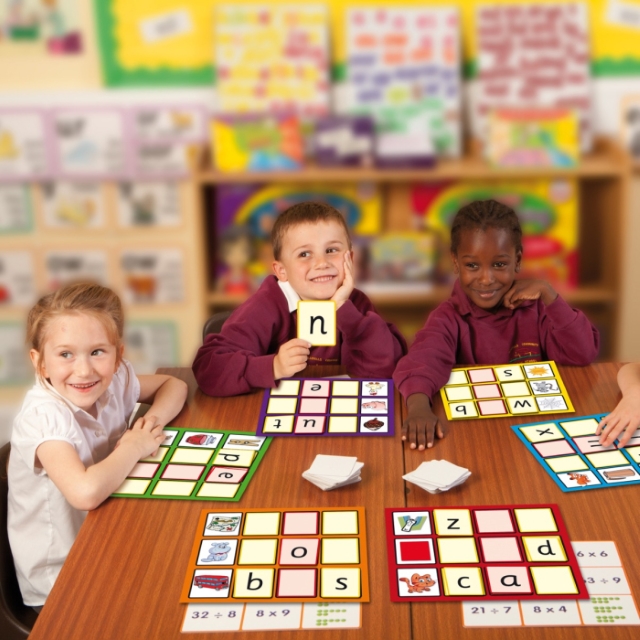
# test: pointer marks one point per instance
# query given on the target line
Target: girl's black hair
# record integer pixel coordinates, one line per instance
(483, 215)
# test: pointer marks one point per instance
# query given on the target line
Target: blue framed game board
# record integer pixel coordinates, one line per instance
(570, 452)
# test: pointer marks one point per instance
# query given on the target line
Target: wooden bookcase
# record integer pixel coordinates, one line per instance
(603, 178)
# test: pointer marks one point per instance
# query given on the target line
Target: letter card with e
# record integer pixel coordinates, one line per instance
(505, 552)
(279, 555)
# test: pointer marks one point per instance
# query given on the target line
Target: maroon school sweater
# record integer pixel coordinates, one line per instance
(459, 332)
(240, 357)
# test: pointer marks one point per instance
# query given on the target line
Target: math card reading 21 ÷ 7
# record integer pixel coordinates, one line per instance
(502, 391)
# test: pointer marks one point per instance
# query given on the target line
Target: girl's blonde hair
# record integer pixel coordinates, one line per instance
(80, 297)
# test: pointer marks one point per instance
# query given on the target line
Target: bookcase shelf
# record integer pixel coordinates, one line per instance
(603, 182)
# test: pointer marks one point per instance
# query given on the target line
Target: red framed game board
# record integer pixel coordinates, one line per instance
(497, 552)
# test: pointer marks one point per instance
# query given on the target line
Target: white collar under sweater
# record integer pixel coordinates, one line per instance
(290, 294)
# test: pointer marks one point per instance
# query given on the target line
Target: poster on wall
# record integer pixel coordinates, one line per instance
(153, 276)
(153, 123)
(272, 59)
(15, 367)
(160, 43)
(16, 215)
(153, 204)
(90, 143)
(52, 23)
(24, 154)
(77, 205)
(534, 56)
(403, 69)
(162, 159)
(17, 279)
(66, 266)
(150, 344)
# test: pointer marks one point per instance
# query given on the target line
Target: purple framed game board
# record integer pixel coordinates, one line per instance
(328, 407)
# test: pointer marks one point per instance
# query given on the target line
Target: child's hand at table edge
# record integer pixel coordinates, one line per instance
(624, 419)
(422, 424)
(145, 434)
(346, 288)
(292, 357)
(526, 289)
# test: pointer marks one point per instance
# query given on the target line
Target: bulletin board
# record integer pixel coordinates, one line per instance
(170, 42)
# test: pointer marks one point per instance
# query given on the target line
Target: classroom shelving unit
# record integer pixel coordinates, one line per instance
(603, 181)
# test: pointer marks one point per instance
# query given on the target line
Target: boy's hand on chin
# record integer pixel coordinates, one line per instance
(344, 290)
(522, 290)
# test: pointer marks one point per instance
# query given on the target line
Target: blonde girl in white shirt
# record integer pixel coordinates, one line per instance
(70, 446)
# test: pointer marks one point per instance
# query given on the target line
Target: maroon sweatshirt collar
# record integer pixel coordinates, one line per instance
(465, 307)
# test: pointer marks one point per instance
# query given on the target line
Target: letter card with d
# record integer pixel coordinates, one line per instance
(510, 552)
(279, 555)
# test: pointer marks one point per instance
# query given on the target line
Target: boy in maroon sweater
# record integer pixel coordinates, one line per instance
(491, 318)
(257, 345)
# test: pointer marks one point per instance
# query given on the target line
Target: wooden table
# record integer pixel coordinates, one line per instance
(123, 577)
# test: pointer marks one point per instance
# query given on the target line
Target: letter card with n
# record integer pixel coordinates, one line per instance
(511, 552)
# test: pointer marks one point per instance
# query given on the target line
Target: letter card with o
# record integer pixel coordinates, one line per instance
(510, 552)
(504, 391)
(279, 555)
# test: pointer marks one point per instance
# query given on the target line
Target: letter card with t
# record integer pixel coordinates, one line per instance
(279, 555)
(506, 552)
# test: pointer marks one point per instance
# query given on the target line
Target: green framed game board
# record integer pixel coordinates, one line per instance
(197, 465)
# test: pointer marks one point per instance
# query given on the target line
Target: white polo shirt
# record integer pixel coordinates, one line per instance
(42, 525)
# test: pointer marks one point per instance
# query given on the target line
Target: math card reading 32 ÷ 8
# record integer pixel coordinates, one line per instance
(508, 390)
(279, 555)
(481, 553)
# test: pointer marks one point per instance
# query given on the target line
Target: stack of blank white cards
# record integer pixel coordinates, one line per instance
(331, 472)
(437, 476)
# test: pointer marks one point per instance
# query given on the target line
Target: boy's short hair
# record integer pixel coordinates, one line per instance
(300, 213)
(483, 215)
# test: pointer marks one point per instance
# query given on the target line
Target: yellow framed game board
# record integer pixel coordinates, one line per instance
(494, 391)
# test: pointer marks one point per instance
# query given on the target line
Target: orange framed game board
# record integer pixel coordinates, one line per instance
(279, 555)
